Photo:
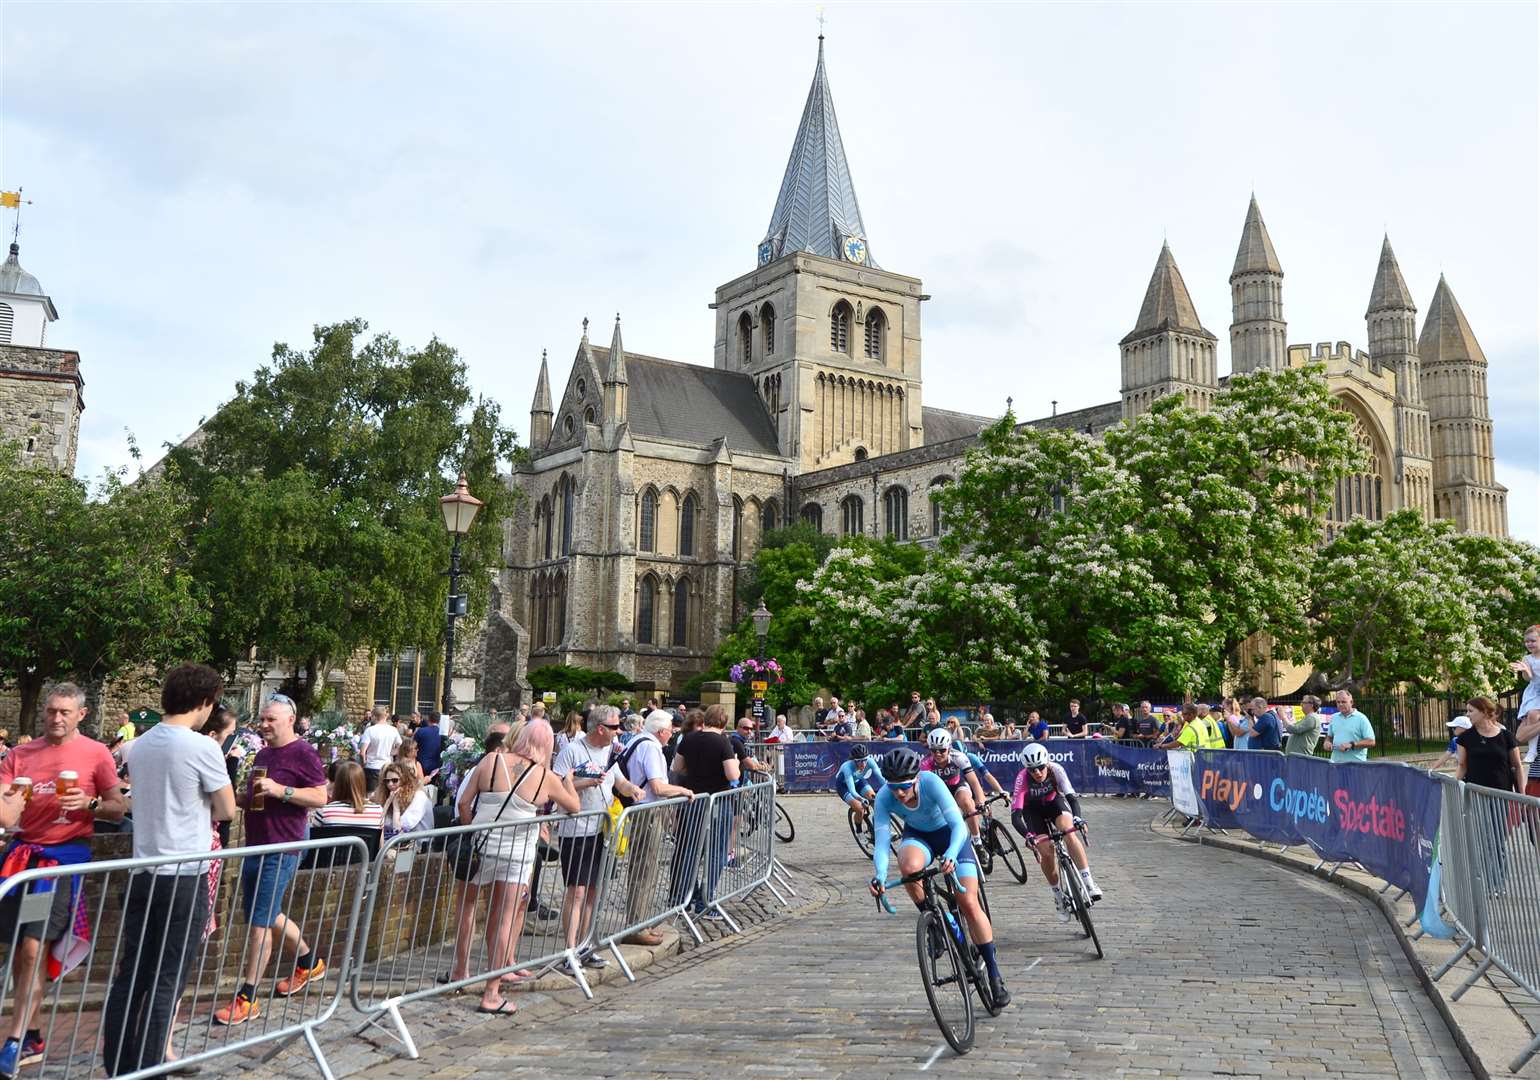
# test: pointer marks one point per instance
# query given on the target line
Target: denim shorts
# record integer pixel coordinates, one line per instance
(264, 881)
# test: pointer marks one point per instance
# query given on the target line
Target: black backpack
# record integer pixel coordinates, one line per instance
(623, 759)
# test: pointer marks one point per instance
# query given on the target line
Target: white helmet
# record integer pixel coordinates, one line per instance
(939, 740)
(1035, 756)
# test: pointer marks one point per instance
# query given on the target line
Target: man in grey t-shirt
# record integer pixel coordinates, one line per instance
(180, 789)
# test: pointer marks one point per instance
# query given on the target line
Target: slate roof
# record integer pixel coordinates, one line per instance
(1256, 252)
(1390, 291)
(1446, 336)
(816, 208)
(695, 404)
(944, 425)
(1167, 303)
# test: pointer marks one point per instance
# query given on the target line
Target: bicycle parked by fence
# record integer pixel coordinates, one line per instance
(952, 969)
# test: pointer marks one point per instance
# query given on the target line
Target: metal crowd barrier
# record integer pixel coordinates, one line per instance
(1498, 886)
(649, 872)
(145, 959)
(739, 851)
(457, 907)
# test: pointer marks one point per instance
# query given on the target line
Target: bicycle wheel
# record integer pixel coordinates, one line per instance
(1004, 843)
(861, 830)
(785, 831)
(973, 960)
(1075, 890)
(946, 984)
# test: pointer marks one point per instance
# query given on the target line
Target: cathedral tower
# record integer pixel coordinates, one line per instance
(1392, 319)
(831, 339)
(540, 410)
(41, 391)
(1168, 351)
(1257, 329)
(1454, 377)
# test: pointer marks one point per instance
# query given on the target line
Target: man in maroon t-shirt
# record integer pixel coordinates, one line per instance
(287, 781)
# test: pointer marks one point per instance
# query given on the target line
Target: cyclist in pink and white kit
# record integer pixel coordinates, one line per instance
(952, 766)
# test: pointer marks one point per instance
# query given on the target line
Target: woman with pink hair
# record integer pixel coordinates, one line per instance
(507, 787)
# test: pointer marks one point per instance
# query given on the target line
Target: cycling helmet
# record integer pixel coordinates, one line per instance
(1035, 756)
(900, 764)
(939, 740)
(858, 752)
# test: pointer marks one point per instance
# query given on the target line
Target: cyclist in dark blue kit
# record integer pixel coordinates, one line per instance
(858, 780)
(933, 829)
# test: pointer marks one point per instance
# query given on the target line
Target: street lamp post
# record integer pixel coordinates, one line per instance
(761, 618)
(459, 508)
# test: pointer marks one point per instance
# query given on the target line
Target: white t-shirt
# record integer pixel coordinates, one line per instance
(577, 756)
(1531, 700)
(174, 771)
(380, 744)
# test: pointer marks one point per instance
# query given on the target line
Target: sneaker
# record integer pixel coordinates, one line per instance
(714, 914)
(10, 1058)
(1092, 889)
(594, 960)
(32, 1049)
(240, 1010)
(998, 991)
(1061, 906)
(300, 979)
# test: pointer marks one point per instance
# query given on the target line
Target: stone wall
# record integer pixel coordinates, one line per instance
(40, 404)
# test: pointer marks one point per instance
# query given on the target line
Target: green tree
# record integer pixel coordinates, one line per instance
(315, 496)
(92, 584)
(1406, 601)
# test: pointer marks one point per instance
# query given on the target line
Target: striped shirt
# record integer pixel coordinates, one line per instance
(372, 816)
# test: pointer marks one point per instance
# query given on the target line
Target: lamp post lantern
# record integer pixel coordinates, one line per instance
(459, 508)
(761, 618)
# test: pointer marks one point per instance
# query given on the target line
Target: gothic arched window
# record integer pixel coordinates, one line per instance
(737, 528)
(895, 513)
(767, 328)
(852, 515)
(769, 517)
(647, 527)
(876, 328)
(567, 495)
(687, 525)
(746, 338)
(839, 327)
(812, 514)
(646, 608)
(937, 526)
(682, 613)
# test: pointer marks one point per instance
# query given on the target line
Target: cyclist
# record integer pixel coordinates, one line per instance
(1044, 796)
(956, 771)
(858, 780)
(933, 829)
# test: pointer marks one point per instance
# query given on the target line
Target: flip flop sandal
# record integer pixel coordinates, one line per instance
(507, 1008)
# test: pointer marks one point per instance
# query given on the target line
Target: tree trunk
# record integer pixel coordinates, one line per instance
(31, 687)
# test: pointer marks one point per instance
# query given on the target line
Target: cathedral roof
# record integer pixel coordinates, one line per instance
(1256, 252)
(15, 280)
(944, 425)
(693, 404)
(1446, 336)
(1167, 303)
(816, 209)
(1390, 291)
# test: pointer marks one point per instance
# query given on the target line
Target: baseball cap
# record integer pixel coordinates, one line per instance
(1461, 723)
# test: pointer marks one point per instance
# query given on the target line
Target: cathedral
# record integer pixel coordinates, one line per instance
(650, 481)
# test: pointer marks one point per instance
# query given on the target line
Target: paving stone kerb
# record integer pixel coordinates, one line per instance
(1217, 964)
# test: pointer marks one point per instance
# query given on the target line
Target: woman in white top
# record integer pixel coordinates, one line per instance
(1240, 725)
(508, 785)
(349, 805)
(405, 805)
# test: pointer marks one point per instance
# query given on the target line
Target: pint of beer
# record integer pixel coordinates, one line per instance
(68, 781)
(23, 786)
(258, 796)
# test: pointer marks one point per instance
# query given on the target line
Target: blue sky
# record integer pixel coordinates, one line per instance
(211, 179)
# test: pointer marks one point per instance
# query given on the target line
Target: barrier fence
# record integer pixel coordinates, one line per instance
(1458, 849)
(145, 939)
(151, 952)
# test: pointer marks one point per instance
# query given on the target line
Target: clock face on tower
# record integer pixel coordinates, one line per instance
(764, 253)
(855, 249)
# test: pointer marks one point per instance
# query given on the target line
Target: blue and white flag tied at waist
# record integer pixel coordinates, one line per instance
(1382, 816)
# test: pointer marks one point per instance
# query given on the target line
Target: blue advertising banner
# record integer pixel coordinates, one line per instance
(1382, 816)
(1094, 766)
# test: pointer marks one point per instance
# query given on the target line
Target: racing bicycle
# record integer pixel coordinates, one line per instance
(995, 839)
(951, 966)
(865, 832)
(1073, 888)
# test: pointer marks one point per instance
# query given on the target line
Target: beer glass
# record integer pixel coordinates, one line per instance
(68, 781)
(258, 796)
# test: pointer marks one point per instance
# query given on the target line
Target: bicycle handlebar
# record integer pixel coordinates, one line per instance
(930, 871)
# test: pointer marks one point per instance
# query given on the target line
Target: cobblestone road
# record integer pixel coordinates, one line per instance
(1217, 965)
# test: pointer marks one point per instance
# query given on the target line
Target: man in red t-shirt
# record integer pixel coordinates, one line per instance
(51, 829)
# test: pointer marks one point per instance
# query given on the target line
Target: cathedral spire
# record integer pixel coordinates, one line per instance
(1168, 352)
(816, 210)
(617, 388)
(1256, 254)
(540, 410)
(1390, 291)
(1167, 303)
(1258, 334)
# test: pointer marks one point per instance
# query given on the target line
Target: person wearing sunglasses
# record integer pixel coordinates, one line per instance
(858, 780)
(933, 830)
(951, 764)
(1043, 795)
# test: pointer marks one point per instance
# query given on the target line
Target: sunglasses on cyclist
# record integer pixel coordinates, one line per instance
(902, 785)
(1037, 768)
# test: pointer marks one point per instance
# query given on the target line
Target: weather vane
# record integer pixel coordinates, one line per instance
(820, 23)
(12, 200)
